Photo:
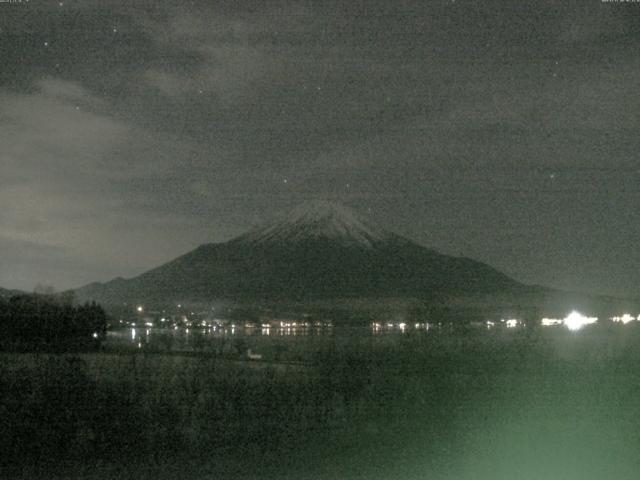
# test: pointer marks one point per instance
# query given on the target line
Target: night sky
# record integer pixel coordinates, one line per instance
(508, 132)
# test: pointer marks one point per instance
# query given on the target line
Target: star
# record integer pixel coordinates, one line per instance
(46, 44)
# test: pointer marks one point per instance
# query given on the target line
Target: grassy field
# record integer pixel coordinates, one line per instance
(513, 405)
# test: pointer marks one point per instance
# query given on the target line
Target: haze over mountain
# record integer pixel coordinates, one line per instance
(318, 250)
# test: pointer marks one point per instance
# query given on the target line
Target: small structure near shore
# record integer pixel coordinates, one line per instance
(253, 356)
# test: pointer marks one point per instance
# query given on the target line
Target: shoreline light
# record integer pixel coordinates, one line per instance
(575, 321)
(511, 323)
(626, 318)
(550, 322)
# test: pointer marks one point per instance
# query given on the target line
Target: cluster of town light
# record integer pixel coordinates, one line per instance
(551, 322)
(626, 318)
(575, 321)
(402, 326)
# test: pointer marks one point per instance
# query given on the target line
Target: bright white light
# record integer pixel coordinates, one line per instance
(626, 318)
(550, 322)
(511, 323)
(402, 325)
(490, 324)
(140, 309)
(95, 334)
(575, 321)
(133, 334)
(149, 324)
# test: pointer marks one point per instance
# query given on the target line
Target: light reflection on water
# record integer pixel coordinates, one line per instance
(214, 337)
(175, 338)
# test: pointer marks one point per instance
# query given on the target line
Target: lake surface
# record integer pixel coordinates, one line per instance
(195, 339)
(296, 343)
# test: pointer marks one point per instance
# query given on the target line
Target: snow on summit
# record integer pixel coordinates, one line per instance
(319, 219)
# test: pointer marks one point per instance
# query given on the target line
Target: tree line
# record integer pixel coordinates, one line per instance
(50, 322)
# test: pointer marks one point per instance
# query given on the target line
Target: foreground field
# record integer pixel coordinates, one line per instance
(527, 405)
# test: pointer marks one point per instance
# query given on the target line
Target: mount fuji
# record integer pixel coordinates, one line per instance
(319, 250)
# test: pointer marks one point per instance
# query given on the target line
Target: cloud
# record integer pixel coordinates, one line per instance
(66, 174)
(227, 72)
(51, 134)
(232, 49)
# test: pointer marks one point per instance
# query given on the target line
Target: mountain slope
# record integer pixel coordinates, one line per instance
(319, 250)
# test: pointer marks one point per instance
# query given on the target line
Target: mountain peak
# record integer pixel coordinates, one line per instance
(319, 219)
